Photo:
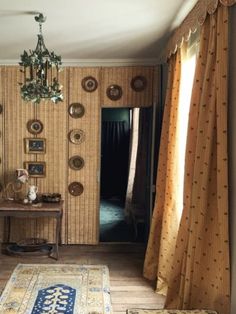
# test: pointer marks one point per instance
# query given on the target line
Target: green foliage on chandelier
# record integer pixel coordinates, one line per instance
(36, 86)
(39, 58)
(33, 91)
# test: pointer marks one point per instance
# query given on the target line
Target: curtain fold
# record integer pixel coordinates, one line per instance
(114, 161)
(132, 162)
(164, 227)
(200, 271)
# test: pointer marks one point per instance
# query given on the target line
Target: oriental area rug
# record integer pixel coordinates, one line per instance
(146, 311)
(57, 289)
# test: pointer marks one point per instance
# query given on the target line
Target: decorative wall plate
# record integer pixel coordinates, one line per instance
(89, 84)
(75, 188)
(34, 126)
(138, 83)
(76, 110)
(76, 162)
(114, 92)
(77, 136)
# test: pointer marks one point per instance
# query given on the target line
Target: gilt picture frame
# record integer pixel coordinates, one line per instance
(36, 169)
(35, 145)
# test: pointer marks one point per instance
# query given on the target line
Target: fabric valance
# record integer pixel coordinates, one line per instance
(194, 19)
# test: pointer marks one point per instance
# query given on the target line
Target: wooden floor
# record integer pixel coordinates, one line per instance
(125, 261)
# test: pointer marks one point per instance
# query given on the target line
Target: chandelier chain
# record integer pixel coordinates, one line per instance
(40, 29)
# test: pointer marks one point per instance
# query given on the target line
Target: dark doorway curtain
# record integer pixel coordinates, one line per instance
(114, 161)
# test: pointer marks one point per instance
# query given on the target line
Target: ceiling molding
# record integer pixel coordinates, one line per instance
(97, 62)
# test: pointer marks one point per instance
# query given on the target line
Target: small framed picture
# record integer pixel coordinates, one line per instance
(36, 169)
(35, 145)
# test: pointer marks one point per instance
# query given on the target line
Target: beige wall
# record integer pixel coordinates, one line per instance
(232, 153)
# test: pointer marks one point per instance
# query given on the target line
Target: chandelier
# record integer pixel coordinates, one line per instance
(41, 71)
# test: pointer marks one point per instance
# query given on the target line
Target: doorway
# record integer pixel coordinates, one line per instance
(124, 200)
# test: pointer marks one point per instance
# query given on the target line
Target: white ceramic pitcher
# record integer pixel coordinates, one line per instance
(32, 193)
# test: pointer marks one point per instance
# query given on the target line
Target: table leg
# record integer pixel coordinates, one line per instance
(58, 236)
(60, 228)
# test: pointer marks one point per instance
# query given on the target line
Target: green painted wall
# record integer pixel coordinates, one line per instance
(115, 114)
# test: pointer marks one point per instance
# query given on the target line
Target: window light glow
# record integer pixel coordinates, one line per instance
(186, 83)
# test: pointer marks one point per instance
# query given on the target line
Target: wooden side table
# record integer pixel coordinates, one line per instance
(10, 209)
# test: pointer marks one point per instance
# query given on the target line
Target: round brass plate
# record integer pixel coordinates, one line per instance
(114, 92)
(75, 188)
(76, 162)
(34, 126)
(76, 110)
(77, 136)
(138, 83)
(89, 84)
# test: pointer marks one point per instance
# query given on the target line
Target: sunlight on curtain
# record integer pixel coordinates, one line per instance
(186, 83)
(132, 162)
(200, 274)
(170, 176)
(164, 228)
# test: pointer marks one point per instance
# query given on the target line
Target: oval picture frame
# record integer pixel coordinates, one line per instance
(76, 188)
(76, 136)
(76, 162)
(89, 84)
(34, 126)
(114, 92)
(76, 110)
(138, 83)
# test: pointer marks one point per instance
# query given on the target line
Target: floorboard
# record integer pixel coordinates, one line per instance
(125, 261)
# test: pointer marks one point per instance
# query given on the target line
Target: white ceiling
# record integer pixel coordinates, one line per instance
(95, 30)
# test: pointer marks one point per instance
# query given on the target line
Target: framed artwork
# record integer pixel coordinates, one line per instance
(36, 169)
(35, 145)
(34, 126)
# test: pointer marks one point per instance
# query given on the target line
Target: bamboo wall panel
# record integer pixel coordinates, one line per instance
(54, 119)
(16, 115)
(122, 76)
(81, 214)
(83, 210)
(2, 90)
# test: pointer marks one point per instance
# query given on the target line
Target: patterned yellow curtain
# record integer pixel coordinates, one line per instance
(200, 272)
(164, 227)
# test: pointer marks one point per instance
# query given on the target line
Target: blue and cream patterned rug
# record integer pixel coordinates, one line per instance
(57, 289)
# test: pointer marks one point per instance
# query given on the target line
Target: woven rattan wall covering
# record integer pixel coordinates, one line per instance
(2, 76)
(122, 76)
(83, 210)
(81, 213)
(16, 114)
